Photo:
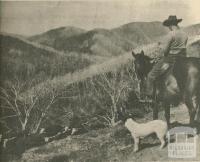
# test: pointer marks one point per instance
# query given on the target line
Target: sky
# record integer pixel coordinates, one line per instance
(34, 17)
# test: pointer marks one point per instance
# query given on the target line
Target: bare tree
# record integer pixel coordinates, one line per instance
(43, 111)
(20, 110)
(24, 108)
(115, 86)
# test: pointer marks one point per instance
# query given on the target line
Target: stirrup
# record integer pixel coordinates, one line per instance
(145, 100)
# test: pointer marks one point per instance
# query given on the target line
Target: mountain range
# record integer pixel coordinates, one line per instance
(67, 49)
(104, 42)
(28, 61)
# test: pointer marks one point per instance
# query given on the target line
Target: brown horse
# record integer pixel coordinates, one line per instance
(180, 83)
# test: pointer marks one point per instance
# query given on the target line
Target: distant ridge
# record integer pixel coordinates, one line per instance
(102, 42)
(141, 32)
(193, 29)
(48, 49)
(49, 37)
(95, 42)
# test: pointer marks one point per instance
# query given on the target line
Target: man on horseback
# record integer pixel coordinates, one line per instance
(173, 48)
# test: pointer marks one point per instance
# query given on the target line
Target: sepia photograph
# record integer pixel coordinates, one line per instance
(100, 81)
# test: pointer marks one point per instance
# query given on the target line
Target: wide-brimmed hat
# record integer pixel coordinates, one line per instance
(172, 20)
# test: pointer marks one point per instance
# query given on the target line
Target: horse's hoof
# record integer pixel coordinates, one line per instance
(169, 125)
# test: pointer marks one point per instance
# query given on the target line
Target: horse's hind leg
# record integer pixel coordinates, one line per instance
(155, 110)
(167, 113)
(190, 93)
(191, 109)
(198, 107)
(155, 105)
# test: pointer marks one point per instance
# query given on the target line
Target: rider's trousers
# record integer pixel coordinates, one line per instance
(158, 69)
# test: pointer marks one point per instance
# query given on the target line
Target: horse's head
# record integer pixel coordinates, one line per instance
(143, 64)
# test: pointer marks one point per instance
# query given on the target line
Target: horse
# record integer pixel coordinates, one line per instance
(179, 84)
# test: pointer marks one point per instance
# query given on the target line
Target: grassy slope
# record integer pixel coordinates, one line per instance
(111, 144)
(62, 82)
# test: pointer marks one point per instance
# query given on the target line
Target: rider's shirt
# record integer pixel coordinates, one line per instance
(176, 42)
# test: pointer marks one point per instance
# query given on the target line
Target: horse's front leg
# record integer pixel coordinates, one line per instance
(167, 113)
(155, 103)
(155, 110)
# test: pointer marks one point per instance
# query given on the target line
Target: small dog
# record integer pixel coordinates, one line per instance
(141, 130)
